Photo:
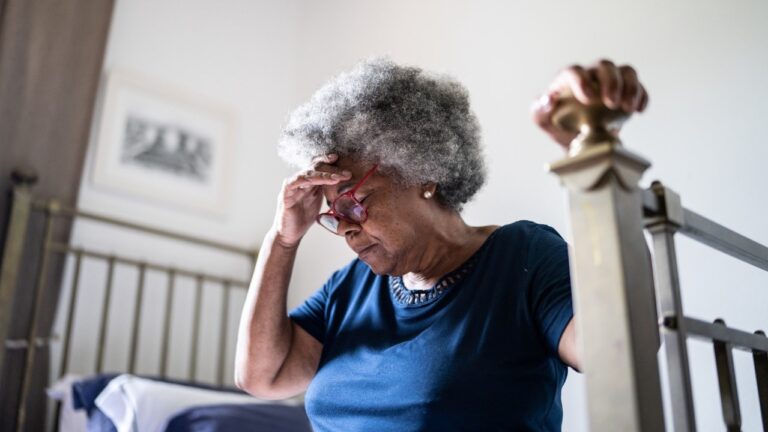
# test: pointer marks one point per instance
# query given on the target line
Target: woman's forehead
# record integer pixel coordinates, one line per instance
(356, 166)
(358, 170)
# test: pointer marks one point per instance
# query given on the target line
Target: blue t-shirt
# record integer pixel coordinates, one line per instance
(481, 356)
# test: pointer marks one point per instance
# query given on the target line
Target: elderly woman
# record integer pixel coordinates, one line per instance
(436, 325)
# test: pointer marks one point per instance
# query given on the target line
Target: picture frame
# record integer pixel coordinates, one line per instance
(162, 144)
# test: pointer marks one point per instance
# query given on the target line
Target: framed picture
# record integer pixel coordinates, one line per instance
(161, 144)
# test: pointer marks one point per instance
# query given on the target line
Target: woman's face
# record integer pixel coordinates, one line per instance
(388, 241)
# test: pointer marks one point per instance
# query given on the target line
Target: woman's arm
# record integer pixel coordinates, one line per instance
(568, 348)
(276, 358)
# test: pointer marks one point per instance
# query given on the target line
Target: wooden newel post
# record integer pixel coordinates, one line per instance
(611, 272)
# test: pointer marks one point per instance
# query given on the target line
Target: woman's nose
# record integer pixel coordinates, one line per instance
(346, 228)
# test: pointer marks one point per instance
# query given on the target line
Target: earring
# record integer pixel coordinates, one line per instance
(427, 194)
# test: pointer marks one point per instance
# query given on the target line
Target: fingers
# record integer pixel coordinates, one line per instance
(307, 184)
(300, 187)
(324, 160)
(542, 116)
(310, 178)
(618, 87)
(576, 80)
(632, 91)
(325, 163)
(643, 104)
(610, 81)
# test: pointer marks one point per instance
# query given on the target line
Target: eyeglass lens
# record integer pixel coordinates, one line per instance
(349, 208)
(346, 208)
(331, 223)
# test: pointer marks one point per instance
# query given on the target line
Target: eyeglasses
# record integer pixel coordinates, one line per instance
(345, 208)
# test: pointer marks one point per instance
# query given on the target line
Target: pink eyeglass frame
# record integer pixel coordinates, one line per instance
(351, 193)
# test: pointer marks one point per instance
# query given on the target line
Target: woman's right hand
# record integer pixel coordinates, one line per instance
(301, 197)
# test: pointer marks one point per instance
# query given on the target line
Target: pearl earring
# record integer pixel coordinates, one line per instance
(427, 194)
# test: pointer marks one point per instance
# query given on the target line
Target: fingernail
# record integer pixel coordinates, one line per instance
(346, 173)
(543, 103)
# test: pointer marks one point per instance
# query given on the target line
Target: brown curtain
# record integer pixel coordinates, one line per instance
(51, 54)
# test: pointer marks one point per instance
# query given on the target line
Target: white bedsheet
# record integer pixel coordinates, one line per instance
(70, 420)
(137, 404)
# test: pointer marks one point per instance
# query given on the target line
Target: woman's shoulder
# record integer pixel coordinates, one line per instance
(526, 229)
(525, 238)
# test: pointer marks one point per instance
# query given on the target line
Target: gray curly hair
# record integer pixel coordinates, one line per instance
(415, 125)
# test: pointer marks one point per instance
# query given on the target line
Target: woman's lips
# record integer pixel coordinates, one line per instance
(365, 250)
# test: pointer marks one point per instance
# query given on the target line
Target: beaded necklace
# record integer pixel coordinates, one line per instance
(406, 296)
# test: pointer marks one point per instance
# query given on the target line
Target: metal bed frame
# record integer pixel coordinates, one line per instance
(613, 284)
(24, 205)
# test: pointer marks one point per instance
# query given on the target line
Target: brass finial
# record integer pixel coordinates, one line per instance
(595, 123)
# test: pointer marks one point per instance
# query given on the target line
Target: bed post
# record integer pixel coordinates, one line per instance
(611, 272)
(21, 206)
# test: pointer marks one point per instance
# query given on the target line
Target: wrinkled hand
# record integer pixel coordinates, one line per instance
(615, 86)
(301, 197)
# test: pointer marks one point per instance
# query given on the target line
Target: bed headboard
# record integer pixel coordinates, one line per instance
(200, 285)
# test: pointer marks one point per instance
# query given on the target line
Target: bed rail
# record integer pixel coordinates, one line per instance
(616, 287)
(25, 206)
(666, 216)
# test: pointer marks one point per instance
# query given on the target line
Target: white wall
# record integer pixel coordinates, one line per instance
(240, 55)
(704, 63)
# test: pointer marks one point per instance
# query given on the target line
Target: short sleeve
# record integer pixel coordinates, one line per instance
(310, 315)
(550, 285)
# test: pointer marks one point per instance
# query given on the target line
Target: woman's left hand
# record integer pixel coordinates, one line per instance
(615, 86)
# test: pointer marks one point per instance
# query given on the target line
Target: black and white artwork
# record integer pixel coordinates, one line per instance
(163, 145)
(175, 149)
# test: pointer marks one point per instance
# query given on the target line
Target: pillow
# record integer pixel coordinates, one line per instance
(136, 404)
(84, 394)
(77, 398)
(85, 391)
